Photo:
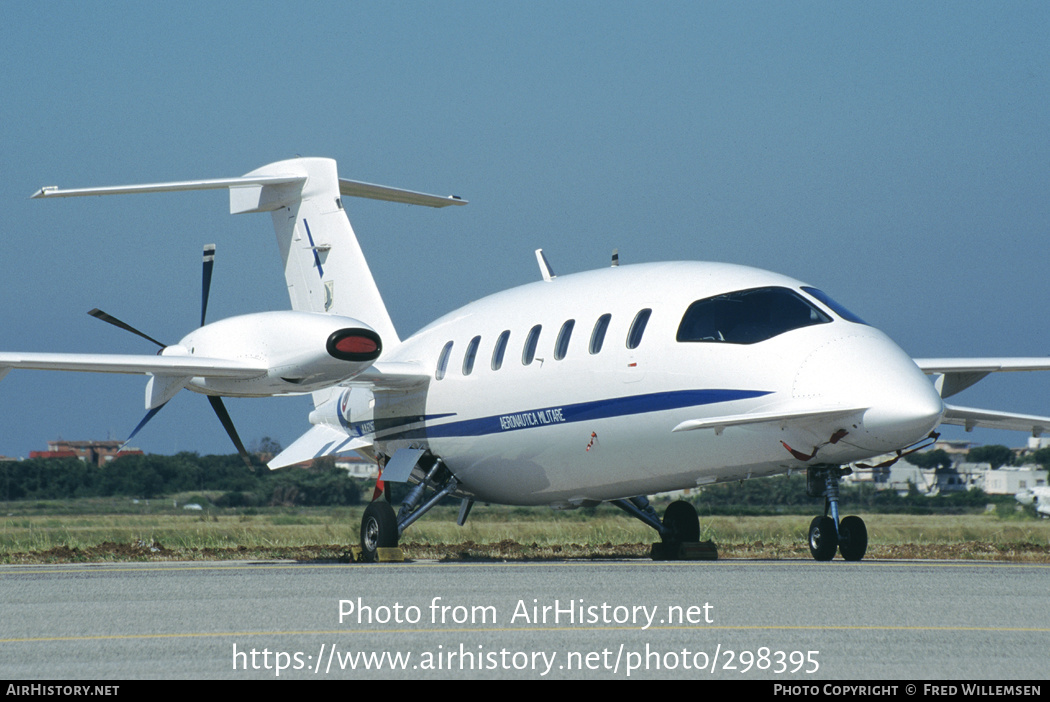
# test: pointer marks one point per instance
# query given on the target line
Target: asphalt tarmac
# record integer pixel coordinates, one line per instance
(791, 621)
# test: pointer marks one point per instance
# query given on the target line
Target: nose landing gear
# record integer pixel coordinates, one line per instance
(827, 533)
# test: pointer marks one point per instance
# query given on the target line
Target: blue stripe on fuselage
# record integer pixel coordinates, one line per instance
(584, 411)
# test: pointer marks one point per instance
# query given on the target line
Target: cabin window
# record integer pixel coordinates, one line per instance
(598, 335)
(443, 361)
(561, 346)
(634, 336)
(501, 348)
(834, 306)
(472, 352)
(748, 316)
(529, 352)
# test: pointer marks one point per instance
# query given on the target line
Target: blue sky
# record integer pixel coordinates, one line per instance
(894, 154)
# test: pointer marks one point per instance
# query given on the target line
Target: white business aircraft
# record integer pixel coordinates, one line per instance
(603, 386)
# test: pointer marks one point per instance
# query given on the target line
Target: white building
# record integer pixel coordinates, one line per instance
(1011, 480)
(358, 468)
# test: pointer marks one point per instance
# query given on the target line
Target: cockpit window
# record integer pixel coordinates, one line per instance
(748, 316)
(834, 306)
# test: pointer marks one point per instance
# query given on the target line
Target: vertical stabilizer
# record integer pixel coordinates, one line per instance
(324, 267)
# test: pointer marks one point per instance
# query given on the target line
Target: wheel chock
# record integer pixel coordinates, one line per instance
(698, 551)
(687, 551)
(383, 555)
(390, 555)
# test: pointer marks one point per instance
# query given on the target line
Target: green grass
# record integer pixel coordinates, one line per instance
(121, 529)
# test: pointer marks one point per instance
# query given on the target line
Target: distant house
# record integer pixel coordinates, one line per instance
(358, 468)
(98, 452)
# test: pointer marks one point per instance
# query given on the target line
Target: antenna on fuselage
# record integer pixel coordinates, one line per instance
(545, 267)
(616, 258)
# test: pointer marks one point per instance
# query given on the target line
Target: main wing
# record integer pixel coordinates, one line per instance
(970, 417)
(172, 372)
(956, 374)
(133, 364)
(952, 375)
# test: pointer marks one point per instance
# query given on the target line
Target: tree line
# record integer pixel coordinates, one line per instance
(150, 476)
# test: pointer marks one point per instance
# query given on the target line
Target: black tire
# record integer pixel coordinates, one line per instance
(822, 538)
(853, 538)
(680, 518)
(378, 529)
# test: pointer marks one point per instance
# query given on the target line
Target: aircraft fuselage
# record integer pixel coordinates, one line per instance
(561, 421)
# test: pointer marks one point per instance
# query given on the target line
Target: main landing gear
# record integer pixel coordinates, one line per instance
(680, 527)
(381, 527)
(827, 534)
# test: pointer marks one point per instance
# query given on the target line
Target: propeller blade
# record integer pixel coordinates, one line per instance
(99, 314)
(227, 423)
(209, 263)
(149, 416)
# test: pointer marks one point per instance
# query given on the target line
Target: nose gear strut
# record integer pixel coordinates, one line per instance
(827, 533)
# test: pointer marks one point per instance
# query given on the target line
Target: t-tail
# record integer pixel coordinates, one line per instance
(324, 267)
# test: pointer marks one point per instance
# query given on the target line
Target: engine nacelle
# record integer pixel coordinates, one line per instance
(302, 351)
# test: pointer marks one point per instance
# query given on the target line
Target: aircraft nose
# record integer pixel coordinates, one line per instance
(871, 371)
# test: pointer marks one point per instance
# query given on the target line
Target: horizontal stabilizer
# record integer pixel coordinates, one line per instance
(213, 184)
(356, 188)
(783, 416)
(969, 418)
(319, 441)
(351, 188)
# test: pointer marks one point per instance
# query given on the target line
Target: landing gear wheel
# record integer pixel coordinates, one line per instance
(681, 520)
(378, 529)
(822, 538)
(853, 538)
